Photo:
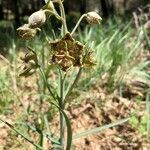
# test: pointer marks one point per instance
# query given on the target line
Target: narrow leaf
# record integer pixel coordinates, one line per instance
(22, 135)
(48, 136)
(99, 129)
(69, 130)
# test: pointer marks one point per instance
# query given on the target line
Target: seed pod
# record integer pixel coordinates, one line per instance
(93, 18)
(25, 32)
(37, 19)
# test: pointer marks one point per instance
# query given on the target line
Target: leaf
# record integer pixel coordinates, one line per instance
(48, 136)
(98, 129)
(21, 134)
(69, 130)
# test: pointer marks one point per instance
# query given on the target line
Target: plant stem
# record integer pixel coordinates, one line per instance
(148, 114)
(74, 82)
(53, 13)
(61, 105)
(76, 26)
(64, 27)
(41, 129)
(48, 87)
(43, 66)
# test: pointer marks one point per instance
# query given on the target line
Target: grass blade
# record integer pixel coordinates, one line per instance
(99, 129)
(48, 136)
(148, 115)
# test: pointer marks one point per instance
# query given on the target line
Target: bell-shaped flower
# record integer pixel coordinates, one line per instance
(25, 32)
(37, 19)
(93, 17)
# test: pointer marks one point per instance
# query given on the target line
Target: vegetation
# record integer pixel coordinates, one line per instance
(112, 93)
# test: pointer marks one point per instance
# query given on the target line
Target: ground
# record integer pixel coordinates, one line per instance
(94, 109)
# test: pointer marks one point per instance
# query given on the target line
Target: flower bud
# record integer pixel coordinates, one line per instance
(25, 32)
(37, 19)
(93, 18)
(50, 6)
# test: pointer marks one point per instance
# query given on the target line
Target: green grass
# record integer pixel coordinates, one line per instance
(117, 48)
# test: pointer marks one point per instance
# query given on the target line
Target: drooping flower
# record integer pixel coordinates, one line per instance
(25, 32)
(67, 52)
(37, 19)
(93, 18)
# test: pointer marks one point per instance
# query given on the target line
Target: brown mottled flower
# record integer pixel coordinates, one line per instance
(93, 18)
(25, 32)
(67, 52)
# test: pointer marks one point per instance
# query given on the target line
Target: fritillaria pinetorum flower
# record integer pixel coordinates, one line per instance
(67, 52)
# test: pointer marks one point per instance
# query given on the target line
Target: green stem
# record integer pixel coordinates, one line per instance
(43, 66)
(74, 83)
(53, 13)
(46, 83)
(65, 30)
(148, 114)
(41, 136)
(41, 100)
(79, 21)
(61, 105)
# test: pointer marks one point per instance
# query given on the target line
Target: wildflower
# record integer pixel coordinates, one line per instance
(37, 19)
(93, 18)
(25, 32)
(67, 52)
(30, 64)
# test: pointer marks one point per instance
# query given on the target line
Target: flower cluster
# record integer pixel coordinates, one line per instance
(66, 52)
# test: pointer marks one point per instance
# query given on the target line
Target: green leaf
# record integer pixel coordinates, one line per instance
(48, 136)
(21, 134)
(99, 129)
(69, 130)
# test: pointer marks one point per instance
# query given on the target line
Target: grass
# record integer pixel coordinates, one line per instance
(117, 47)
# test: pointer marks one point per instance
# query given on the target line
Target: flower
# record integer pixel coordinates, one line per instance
(37, 19)
(67, 52)
(93, 18)
(25, 32)
(30, 64)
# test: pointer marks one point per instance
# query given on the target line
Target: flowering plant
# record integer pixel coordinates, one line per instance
(66, 54)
